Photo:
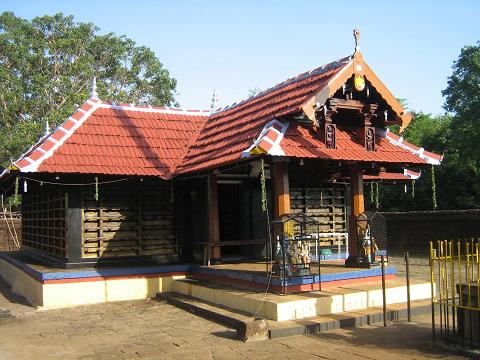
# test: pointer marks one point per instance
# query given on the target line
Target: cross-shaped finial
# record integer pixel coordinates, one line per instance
(356, 35)
(214, 104)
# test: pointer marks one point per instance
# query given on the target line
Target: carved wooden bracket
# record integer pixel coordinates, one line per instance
(327, 130)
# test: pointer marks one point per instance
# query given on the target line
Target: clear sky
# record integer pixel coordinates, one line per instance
(235, 46)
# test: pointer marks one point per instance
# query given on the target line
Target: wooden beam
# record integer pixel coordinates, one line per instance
(213, 220)
(357, 207)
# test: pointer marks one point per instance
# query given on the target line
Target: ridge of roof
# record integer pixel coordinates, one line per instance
(319, 70)
(149, 108)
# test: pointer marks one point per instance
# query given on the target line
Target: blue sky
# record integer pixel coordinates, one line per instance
(235, 46)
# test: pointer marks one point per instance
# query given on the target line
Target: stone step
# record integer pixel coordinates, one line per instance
(354, 297)
(347, 319)
(250, 329)
(247, 327)
(5, 314)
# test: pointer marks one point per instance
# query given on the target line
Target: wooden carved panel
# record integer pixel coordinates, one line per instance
(330, 133)
(370, 138)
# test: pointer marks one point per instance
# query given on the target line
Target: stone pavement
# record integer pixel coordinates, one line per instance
(156, 330)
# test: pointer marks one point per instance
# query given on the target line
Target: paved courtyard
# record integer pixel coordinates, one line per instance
(156, 330)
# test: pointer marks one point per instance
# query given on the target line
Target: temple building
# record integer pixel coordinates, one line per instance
(126, 184)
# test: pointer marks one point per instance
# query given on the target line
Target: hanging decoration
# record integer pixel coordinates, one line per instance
(16, 186)
(263, 185)
(434, 189)
(413, 189)
(96, 188)
(371, 193)
(25, 186)
(377, 199)
(321, 197)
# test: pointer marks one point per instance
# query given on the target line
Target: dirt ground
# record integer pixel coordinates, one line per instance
(156, 330)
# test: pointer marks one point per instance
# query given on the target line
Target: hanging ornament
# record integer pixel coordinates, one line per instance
(16, 186)
(321, 197)
(359, 82)
(434, 189)
(371, 193)
(377, 198)
(96, 188)
(413, 189)
(263, 185)
(25, 185)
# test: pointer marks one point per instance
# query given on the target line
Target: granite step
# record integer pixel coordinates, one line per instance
(5, 314)
(247, 327)
(347, 319)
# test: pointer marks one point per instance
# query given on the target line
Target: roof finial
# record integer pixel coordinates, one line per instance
(214, 104)
(356, 35)
(94, 93)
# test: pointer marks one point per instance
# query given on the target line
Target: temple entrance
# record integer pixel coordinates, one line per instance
(230, 211)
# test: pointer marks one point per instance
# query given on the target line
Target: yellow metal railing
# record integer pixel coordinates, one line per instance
(454, 273)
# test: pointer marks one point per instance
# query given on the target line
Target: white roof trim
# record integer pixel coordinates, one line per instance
(276, 149)
(401, 144)
(408, 174)
(173, 111)
(33, 167)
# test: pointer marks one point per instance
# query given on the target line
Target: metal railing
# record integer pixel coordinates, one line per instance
(455, 284)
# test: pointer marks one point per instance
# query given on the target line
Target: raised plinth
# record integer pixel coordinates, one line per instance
(304, 305)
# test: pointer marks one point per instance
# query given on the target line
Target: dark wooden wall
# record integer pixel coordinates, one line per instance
(325, 204)
(130, 219)
(43, 220)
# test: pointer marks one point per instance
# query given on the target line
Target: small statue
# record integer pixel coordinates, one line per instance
(305, 254)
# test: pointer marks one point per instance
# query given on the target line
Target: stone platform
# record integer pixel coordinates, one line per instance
(334, 300)
(254, 275)
(342, 289)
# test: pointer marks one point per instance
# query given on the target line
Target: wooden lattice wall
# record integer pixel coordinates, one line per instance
(327, 205)
(43, 221)
(129, 219)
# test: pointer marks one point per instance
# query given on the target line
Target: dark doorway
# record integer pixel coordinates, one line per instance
(230, 211)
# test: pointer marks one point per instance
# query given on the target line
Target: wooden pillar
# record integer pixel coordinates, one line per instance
(213, 221)
(281, 188)
(74, 226)
(281, 195)
(357, 207)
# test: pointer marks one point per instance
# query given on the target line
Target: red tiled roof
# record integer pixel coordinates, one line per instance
(104, 138)
(302, 142)
(407, 175)
(232, 130)
(253, 125)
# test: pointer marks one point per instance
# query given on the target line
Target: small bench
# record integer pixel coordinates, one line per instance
(207, 246)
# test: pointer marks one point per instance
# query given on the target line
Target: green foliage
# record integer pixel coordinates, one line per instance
(457, 180)
(462, 97)
(46, 70)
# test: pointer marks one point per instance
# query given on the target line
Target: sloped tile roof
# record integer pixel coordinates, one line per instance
(232, 130)
(303, 142)
(104, 138)
(407, 175)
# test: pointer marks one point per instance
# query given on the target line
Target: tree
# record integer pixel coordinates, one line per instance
(46, 70)
(462, 98)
